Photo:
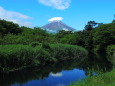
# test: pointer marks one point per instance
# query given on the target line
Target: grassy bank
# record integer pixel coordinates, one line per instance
(17, 57)
(106, 79)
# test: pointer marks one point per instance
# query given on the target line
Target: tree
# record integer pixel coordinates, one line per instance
(9, 27)
(90, 25)
(103, 36)
(113, 19)
(62, 33)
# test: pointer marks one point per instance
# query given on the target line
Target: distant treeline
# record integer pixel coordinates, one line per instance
(95, 37)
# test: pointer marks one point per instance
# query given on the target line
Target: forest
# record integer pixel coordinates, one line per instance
(28, 47)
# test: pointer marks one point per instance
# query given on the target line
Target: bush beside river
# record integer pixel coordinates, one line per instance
(17, 57)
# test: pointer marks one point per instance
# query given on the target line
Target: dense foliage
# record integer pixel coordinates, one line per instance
(95, 37)
(103, 36)
(111, 53)
(9, 27)
(16, 57)
(25, 44)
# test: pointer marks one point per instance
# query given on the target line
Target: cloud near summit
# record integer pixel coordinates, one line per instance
(58, 4)
(55, 19)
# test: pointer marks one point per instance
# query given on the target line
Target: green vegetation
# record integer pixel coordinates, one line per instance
(103, 36)
(66, 52)
(111, 53)
(105, 79)
(9, 27)
(22, 47)
(17, 57)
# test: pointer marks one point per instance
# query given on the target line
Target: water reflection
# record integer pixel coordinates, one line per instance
(59, 74)
(56, 74)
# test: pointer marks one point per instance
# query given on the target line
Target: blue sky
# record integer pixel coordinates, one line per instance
(75, 13)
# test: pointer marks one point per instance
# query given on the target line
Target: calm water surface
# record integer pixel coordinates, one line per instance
(62, 78)
(60, 74)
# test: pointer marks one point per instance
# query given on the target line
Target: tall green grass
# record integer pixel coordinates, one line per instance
(103, 79)
(66, 52)
(17, 57)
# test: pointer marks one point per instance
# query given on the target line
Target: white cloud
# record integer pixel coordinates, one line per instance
(56, 19)
(58, 4)
(15, 17)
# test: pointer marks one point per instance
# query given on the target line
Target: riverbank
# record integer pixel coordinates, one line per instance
(18, 57)
(105, 79)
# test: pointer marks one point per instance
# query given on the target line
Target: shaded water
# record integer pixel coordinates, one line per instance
(59, 74)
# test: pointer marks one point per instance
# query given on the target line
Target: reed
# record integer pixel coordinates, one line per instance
(17, 57)
(66, 52)
(102, 79)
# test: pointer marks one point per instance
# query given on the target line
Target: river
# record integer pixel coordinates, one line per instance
(59, 74)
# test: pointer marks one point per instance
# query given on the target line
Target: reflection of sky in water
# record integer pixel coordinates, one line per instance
(57, 79)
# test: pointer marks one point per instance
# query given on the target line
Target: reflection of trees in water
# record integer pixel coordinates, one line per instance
(21, 84)
(43, 82)
(40, 73)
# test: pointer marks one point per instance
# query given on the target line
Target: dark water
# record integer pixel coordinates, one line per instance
(59, 74)
(62, 78)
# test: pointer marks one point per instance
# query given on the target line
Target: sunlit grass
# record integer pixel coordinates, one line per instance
(103, 79)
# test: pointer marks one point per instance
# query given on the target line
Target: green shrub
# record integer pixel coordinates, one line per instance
(17, 57)
(44, 56)
(103, 36)
(111, 54)
(45, 45)
(66, 52)
(34, 44)
(14, 39)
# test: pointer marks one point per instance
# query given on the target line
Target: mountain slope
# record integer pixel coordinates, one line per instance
(56, 26)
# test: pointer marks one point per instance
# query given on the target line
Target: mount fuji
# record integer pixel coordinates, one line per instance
(56, 26)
